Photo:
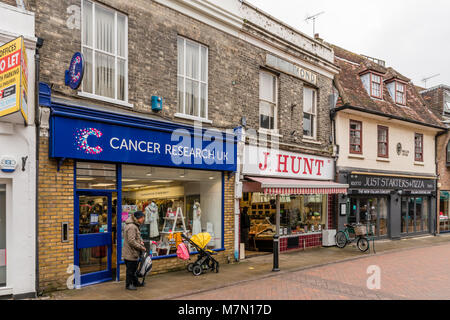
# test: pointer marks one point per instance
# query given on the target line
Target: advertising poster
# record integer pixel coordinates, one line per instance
(13, 78)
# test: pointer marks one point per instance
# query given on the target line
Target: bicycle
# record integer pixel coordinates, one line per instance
(343, 237)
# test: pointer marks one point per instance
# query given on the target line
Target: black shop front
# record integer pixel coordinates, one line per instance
(398, 206)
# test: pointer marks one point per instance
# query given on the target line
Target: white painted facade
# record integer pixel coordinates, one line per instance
(19, 141)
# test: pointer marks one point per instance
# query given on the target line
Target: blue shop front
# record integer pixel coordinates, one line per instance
(174, 173)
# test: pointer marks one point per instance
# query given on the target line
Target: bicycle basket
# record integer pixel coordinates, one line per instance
(361, 230)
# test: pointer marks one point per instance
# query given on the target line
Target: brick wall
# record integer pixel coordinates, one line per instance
(444, 171)
(56, 201)
(233, 68)
(435, 99)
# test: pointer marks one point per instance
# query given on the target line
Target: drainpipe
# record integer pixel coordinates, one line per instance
(37, 61)
(238, 187)
(438, 190)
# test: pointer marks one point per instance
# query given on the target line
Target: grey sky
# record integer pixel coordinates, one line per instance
(412, 36)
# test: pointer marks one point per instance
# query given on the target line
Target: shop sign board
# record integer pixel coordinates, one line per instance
(290, 68)
(259, 161)
(378, 184)
(14, 79)
(76, 138)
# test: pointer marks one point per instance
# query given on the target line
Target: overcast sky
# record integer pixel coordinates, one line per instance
(412, 36)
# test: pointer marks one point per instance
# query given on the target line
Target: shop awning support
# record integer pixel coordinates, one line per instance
(276, 239)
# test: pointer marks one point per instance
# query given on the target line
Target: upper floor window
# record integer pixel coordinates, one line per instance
(355, 137)
(267, 101)
(448, 153)
(105, 49)
(376, 88)
(400, 93)
(192, 78)
(383, 142)
(418, 147)
(309, 112)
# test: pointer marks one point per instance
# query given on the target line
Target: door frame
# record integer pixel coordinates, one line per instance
(93, 240)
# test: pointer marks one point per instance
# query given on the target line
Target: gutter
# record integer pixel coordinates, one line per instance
(37, 60)
(381, 114)
(438, 190)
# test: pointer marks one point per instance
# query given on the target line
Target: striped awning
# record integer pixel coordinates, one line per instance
(296, 187)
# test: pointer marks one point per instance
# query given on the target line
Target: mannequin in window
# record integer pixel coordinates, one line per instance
(197, 215)
(152, 217)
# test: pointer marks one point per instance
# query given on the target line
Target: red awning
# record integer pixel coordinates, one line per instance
(297, 187)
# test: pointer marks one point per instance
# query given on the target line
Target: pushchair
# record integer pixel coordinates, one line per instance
(205, 260)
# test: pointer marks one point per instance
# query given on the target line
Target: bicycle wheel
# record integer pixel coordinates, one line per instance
(363, 244)
(341, 240)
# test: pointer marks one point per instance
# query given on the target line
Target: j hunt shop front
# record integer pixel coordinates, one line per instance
(177, 175)
(300, 185)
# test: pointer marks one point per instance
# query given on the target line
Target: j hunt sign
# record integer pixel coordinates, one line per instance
(277, 163)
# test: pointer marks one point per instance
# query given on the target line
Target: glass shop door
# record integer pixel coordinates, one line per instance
(93, 236)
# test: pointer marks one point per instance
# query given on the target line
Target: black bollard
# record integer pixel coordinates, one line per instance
(276, 242)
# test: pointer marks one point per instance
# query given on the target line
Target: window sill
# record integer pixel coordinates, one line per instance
(193, 118)
(383, 160)
(421, 164)
(270, 132)
(312, 141)
(356, 156)
(105, 99)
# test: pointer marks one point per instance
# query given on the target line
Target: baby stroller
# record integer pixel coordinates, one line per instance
(205, 260)
(144, 266)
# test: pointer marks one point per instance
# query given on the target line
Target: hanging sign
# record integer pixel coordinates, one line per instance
(14, 79)
(74, 75)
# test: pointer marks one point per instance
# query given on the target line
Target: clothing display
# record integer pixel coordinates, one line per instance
(197, 225)
(152, 218)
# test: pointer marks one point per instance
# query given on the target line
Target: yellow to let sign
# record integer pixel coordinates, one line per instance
(14, 79)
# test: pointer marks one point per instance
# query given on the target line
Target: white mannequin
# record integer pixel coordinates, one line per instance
(152, 217)
(197, 215)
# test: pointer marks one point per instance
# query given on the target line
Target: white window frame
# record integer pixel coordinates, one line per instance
(93, 95)
(397, 84)
(372, 82)
(314, 114)
(200, 82)
(275, 111)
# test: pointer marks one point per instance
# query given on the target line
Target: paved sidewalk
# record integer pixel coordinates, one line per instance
(181, 284)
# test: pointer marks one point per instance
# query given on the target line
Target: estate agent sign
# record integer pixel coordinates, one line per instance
(13, 79)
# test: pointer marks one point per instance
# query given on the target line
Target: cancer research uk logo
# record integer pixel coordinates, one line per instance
(81, 138)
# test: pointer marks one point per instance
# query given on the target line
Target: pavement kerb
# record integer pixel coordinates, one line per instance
(268, 276)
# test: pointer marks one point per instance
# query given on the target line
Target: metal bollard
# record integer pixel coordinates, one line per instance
(276, 246)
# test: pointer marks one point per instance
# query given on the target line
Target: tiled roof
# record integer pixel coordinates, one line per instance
(353, 93)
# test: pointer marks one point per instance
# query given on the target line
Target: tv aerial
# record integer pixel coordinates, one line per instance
(313, 18)
(424, 80)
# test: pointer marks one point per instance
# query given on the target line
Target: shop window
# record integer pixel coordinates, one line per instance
(174, 201)
(267, 101)
(301, 214)
(105, 49)
(309, 112)
(96, 176)
(373, 211)
(415, 213)
(2, 235)
(444, 211)
(355, 137)
(418, 147)
(192, 79)
(383, 142)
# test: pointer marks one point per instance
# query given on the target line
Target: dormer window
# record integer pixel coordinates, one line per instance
(376, 89)
(400, 94)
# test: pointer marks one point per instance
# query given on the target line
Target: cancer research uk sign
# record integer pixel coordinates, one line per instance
(97, 141)
(269, 162)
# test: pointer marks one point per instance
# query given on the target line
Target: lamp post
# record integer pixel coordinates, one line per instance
(276, 239)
